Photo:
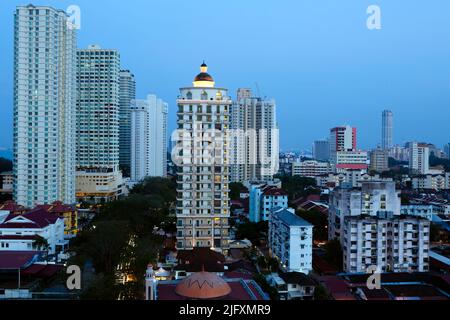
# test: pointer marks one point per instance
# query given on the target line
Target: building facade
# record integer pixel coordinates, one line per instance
(44, 106)
(203, 207)
(148, 138)
(379, 160)
(350, 160)
(321, 150)
(254, 138)
(419, 157)
(387, 130)
(98, 175)
(310, 168)
(127, 93)
(263, 199)
(432, 181)
(342, 138)
(390, 243)
(291, 240)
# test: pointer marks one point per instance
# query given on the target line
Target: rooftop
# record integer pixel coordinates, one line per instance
(291, 219)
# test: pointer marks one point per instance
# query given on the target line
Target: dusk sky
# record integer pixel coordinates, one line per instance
(316, 58)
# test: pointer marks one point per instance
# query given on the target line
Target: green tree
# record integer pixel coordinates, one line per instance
(334, 253)
(235, 190)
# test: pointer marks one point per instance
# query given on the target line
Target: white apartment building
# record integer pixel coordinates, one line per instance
(372, 197)
(19, 232)
(44, 106)
(203, 207)
(291, 240)
(310, 168)
(148, 138)
(263, 199)
(342, 138)
(390, 242)
(432, 181)
(350, 160)
(127, 93)
(419, 155)
(254, 138)
(98, 123)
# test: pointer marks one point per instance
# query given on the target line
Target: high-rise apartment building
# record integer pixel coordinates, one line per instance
(202, 158)
(254, 138)
(386, 130)
(127, 93)
(148, 138)
(98, 174)
(321, 150)
(419, 158)
(44, 106)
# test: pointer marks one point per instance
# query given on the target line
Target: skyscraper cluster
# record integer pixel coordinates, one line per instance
(72, 114)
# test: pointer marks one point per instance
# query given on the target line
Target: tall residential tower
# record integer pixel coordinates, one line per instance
(98, 176)
(202, 159)
(148, 138)
(44, 106)
(254, 138)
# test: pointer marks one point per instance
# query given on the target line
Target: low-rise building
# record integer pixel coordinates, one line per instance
(264, 198)
(432, 181)
(6, 182)
(68, 213)
(99, 187)
(292, 285)
(26, 232)
(290, 240)
(350, 160)
(310, 168)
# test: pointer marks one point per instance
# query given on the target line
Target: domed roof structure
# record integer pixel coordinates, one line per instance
(204, 79)
(203, 285)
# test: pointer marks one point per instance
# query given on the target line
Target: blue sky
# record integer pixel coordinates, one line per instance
(316, 58)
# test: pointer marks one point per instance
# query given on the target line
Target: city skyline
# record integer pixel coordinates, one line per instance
(337, 66)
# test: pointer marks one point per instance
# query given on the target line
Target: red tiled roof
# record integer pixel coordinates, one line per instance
(39, 218)
(275, 192)
(17, 237)
(11, 206)
(16, 259)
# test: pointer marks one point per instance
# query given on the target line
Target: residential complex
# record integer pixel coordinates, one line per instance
(44, 106)
(290, 240)
(254, 138)
(98, 176)
(202, 208)
(148, 138)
